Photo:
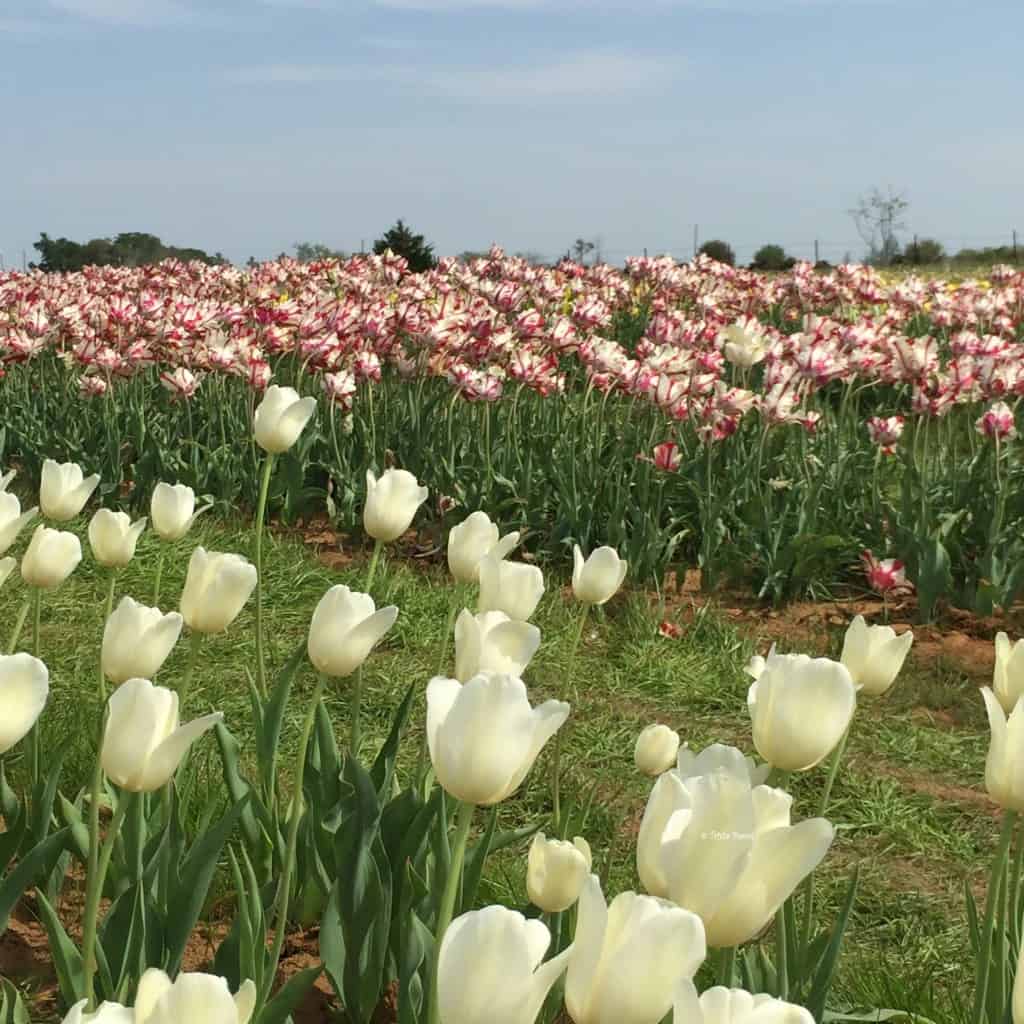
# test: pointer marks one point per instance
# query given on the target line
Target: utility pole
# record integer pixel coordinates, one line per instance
(816, 251)
(24, 263)
(645, 252)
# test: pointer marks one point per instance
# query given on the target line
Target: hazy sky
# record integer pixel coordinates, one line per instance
(248, 125)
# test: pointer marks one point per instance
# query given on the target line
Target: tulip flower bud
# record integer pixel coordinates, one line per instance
(346, 626)
(1004, 765)
(280, 418)
(598, 578)
(874, 655)
(509, 587)
(143, 743)
(799, 708)
(469, 988)
(1008, 676)
(556, 871)
(24, 688)
(492, 642)
(106, 1013)
(172, 510)
(656, 750)
(12, 519)
(137, 641)
(113, 537)
(51, 557)
(216, 588)
(473, 539)
(391, 503)
(484, 736)
(629, 959)
(63, 492)
(192, 997)
(720, 1005)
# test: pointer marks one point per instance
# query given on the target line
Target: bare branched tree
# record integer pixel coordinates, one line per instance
(877, 217)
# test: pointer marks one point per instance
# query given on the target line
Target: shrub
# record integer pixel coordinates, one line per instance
(719, 250)
(772, 257)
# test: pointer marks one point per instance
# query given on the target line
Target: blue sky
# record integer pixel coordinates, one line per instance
(248, 125)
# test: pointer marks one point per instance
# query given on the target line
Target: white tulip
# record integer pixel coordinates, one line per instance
(172, 510)
(137, 641)
(492, 642)
(484, 736)
(741, 348)
(1008, 676)
(24, 688)
(1004, 765)
(12, 519)
(719, 757)
(473, 539)
(720, 1005)
(509, 587)
(193, 998)
(51, 557)
(656, 749)
(874, 655)
(391, 503)
(491, 968)
(629, 959)
(597, 579)
(346, 626)
(113, 537)
(800, 707)
(216, 589)
(63, 492)
(556, 871)
(106, 1013)
(7, 478)
(280, 418)
(143, 743)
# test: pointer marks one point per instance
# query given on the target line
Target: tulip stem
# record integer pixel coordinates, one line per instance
(378, 546)
(463, 821)
(556, 758)
(991, 900)
(356, 725)
(108, 608)
(726, 965)
(159, 575)
(19, 625)
(261, 510)
(285, 885)
(38, 608)
(195, 642)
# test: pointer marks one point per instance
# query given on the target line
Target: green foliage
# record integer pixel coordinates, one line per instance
(772, 257)
(128, 249)
(719, 250)
(314, 252)
(923, 252)
(403, 241)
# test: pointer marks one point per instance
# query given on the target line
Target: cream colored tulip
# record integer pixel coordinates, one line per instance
(280, 417)
(492, 642)
(192, 998)
(473, 539)
(216, 589)
(391, 504)
(719, 757)
(172, 510)
(874, 655)
(742, 348)
(720, 1005)
(51, 557)
(346, 626)
(597, 579)
(1008, 676)
(137, 641)
(656, 749)
(113, 537)
(63, 492)
(556, 871)
(24, 689)
(509, 587)
(7, 478)
(1004, 765)
(12, 519)
(106, 1013)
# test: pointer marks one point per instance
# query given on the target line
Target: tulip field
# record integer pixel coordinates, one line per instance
(342, 679)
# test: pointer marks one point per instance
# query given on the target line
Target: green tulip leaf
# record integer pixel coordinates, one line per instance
(288, 998)
(35, 864)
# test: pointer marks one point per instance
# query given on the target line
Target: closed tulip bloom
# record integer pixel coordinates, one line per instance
(106, 1013)
(492, 642)
(192, 997)
(172, 510)
(113, 537)
(475, 537)
(216, 589)
(51, 557)
(391, 503)
(874, 655)
(1004, 766)
(597, 579)
(346, 626)
(556, 871)
(628, 959)
(491, 968)
(484, 736)
(720, 1005)
(509, 587)
(24, 688)
(143, 743)
(12, 519)
(656, 749)
(1008, 677)
(137, 641)
(280, 418)
(799, 708)
(63, 492)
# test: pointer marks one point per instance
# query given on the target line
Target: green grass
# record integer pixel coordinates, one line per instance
(907, 801)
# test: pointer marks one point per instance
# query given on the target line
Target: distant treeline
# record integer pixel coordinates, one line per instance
(129, 249)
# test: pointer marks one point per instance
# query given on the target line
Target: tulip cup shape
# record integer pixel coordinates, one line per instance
(280, 418)
(874, 655)
(800, 707)
(63, 492)
(656, 750)
(106, 1013)
(24, 689)
(597, 579)
(193, 998)
(1008, 676)
(391, 503)
(473, 539)
(719, 757)
(172, 510)
(1004, 765)
(492, 642)
(51, 557)
(491, 968)
(143, 743)
(113, 537)
(484, 736)
(629, 959)
(137, 641)
(556, 871)
(12, 519)
(720, 1005)
(742, 349)
(346, 626)
(216, 589)
(509, 587)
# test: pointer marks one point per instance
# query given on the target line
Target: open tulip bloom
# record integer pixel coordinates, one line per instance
(12, 519)
(137, 641)
(509, 587)
(24, 688)
(280, 418)
(492, 642)
(113, 537)
(472, 540)
(63, 491)
(391, 503)
(874, 655)
(720, 1005)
